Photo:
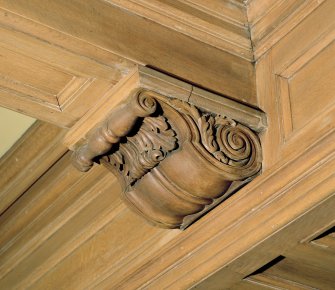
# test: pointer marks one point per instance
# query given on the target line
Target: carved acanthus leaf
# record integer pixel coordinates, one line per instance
(225, 139)
(172, 159)
(143, 151)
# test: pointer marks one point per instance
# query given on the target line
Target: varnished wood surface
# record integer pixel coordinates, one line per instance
(287, 78)
(64, 210)
(162, 165)
(33, 154)
(143, 78)
(222, 24)
(137, 38)
(71, 231)
(309, 265)
(292, 90)
(271, 20)
(50, 75)
(68, 211)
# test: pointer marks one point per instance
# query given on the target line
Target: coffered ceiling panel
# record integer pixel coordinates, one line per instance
(56, 82)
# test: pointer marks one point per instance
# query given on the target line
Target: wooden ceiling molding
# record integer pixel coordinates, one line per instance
(288, 271)
(35, 152)
(48, 75)
(153, 93)
(159, 144)
(222, 24)
(209, 46)
(269, 21)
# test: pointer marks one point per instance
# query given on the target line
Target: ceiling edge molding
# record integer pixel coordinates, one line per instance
(222, 24)
(178, 44)
(34, 153)
(270, 21)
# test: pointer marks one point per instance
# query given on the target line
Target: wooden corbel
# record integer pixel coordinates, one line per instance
(174, 159)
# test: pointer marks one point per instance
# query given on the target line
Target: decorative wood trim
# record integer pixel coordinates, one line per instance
(251, 228)
(143, 78)
(270, 20)
(284, 80)
(79, 71)
(81, 222)
(277, 68)
(195, 42)
(222, 24)
(159, 147)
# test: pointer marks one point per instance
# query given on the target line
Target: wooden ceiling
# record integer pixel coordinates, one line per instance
(62, 229)
(308, 265)
(19, 124)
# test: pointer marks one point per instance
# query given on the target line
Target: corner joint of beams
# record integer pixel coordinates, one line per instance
(176, 150)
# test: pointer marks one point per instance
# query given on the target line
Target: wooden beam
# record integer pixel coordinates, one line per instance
(50, 75)
(138, 38)
(34, 153)
(249, 229)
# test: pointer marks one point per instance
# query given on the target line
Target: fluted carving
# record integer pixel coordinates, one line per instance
(172, 159)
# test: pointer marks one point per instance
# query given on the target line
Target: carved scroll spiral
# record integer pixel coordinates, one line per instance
(226, 140)
(146, 105)
(236, 142)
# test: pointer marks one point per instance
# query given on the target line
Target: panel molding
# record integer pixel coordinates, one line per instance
(49, 54)
(157, 40)
(86, 226)
(316, 126)
(277, 68)
(270, 21)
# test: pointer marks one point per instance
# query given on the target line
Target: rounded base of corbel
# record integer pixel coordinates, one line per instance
(170, 191)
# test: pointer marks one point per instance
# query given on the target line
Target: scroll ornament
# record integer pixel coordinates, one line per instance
(171, 158)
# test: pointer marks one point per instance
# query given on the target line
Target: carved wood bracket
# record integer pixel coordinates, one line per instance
(174, 160)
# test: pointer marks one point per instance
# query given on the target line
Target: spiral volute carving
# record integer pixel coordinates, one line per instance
(146, 104)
